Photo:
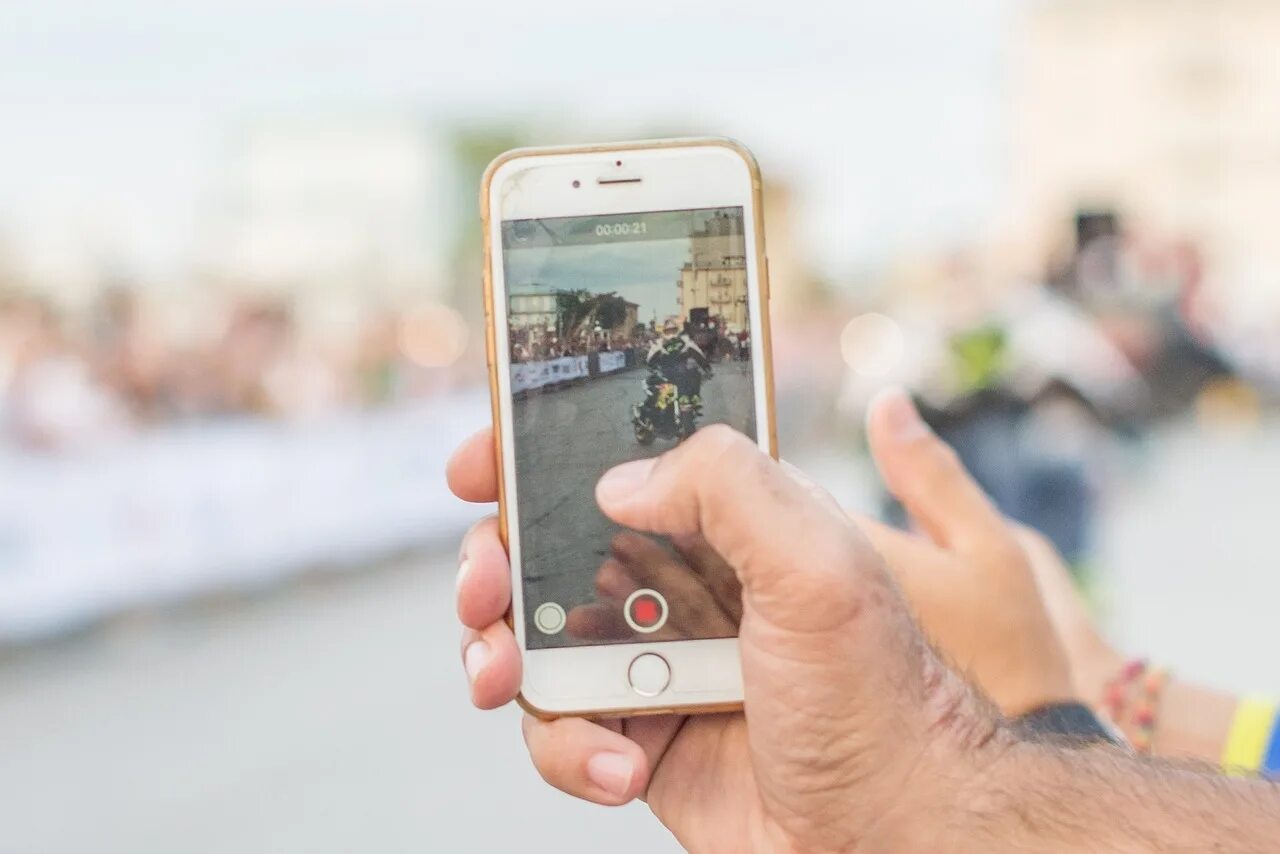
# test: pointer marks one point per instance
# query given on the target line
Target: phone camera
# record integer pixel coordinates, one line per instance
(522, 230)
(617, 163)
(577, 184)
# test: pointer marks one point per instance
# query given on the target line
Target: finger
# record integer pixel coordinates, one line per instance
(587, 760)
(613, 581)
(655, 734)
(715, 573)
(693, 610)
(924, 473)
(598, 621)
(603, 621)
(484, 576)
(491, 660)
(796, 568)
(472, 470)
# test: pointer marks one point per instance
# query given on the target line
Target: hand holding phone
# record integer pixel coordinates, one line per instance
(845, 699)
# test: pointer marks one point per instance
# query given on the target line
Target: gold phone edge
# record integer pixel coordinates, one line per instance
(765, 351)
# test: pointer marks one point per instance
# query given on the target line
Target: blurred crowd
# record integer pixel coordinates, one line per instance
(536, 346)
(68, 380)
(1037, 383)
(710, 336)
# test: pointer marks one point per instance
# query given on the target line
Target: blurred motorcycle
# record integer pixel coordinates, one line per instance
(665, 412)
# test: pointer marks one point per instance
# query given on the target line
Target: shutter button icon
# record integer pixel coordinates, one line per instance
(645, 611)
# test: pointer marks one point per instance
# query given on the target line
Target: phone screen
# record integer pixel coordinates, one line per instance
(627, 333)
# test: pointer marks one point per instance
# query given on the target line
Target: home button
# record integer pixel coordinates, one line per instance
(649, 675)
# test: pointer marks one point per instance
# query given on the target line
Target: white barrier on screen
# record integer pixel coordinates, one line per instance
(531, 375)
(615, 360)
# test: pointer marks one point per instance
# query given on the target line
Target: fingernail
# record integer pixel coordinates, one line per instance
(475, 657)
(620, 481)
(612, 772)
(463, 569)
(901, 415)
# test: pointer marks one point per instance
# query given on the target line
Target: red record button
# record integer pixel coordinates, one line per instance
(645, 611)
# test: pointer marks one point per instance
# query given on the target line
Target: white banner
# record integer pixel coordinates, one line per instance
(188, 509)
(529, 375)
(612, 361)
(568, 368)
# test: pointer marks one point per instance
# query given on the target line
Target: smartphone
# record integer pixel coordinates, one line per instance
(626, 294)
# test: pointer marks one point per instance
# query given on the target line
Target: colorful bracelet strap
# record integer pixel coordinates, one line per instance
(1249, 748)
(1271, 759)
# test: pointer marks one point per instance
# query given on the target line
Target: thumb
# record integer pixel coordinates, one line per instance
(795, 551)
(838, 682)
(924, 473)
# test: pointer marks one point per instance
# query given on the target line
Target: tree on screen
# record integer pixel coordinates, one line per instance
(580, 310)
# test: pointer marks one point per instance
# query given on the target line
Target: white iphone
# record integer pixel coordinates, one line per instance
(627, 299)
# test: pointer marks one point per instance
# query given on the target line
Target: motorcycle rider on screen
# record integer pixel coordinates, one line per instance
(673, 387)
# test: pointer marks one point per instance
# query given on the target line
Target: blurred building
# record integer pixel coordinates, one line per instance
(532, 311)
(346, 208)
(713, 282)
(1162, 112)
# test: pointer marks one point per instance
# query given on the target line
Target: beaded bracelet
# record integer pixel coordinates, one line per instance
(1146, 707)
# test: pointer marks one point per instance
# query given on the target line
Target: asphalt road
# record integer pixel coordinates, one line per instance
(325, 717)
(565, 440)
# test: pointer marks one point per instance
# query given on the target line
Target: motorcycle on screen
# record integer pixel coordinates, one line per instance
(665, 413)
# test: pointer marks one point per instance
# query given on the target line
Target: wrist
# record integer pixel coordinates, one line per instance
(1008, 789)
(968, 801)
(1092, 670)
(968, 738)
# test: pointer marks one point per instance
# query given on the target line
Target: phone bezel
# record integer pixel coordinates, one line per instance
(674, 175)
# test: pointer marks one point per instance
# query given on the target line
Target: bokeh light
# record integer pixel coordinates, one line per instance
(872, 345)
(433, 336)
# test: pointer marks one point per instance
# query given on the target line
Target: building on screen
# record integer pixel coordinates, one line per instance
(713, 282)
(535, 311)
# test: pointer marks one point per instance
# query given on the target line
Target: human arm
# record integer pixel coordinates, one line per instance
(1193, 721)
(1041, 797)
(655, 350)
(981, 583)
(692, 349)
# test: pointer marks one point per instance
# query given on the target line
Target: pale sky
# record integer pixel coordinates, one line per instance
(644, 273)
(887, 118)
